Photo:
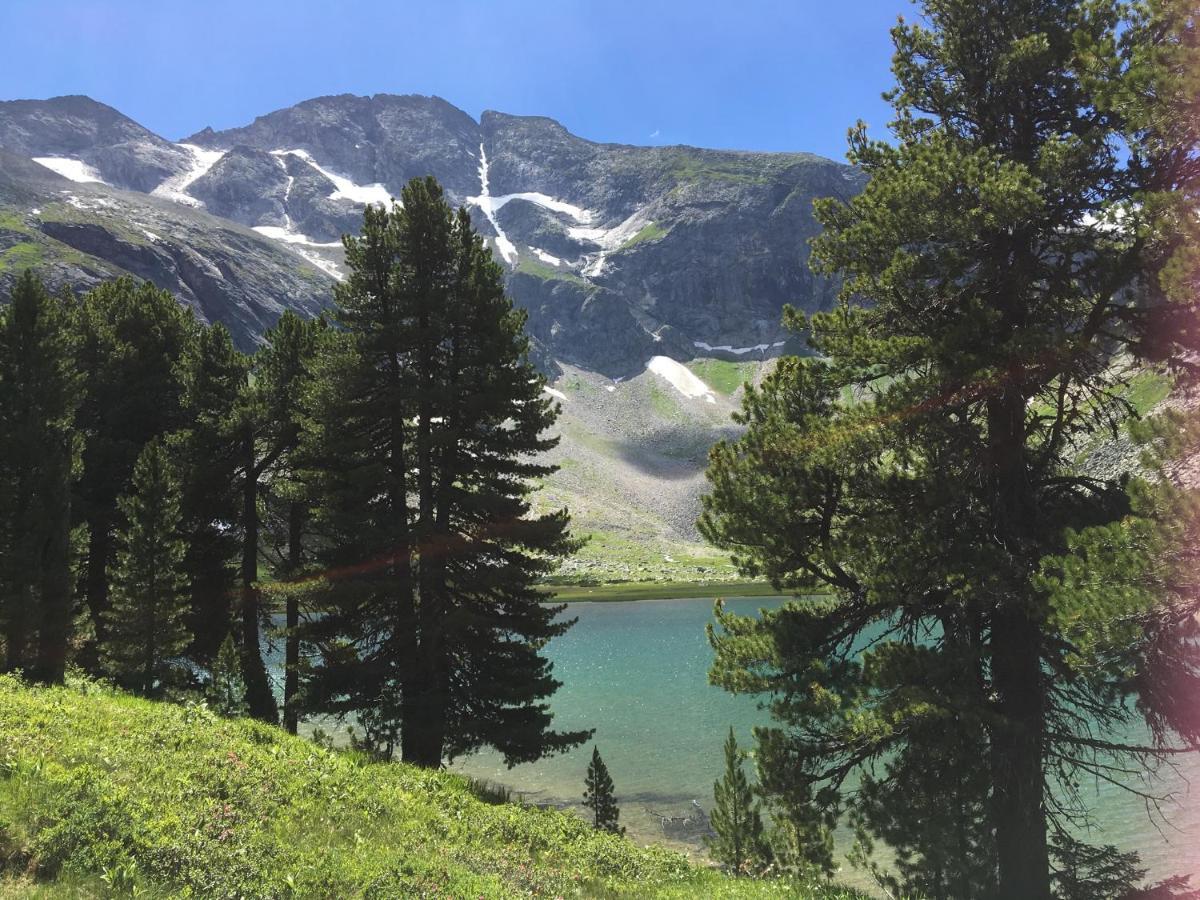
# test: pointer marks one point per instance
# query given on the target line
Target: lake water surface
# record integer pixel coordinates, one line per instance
(637, 672)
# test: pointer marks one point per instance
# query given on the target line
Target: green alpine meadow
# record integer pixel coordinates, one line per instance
(402, 499)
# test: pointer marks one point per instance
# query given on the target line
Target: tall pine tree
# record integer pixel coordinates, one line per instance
(133, 340)
(996, 290)
(39, 449)
(270, 418)
(207, 449)
(429, 420)
(147, 619)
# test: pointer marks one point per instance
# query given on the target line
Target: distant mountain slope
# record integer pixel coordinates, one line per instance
(77, 234)
(632, 262)
(619, 253)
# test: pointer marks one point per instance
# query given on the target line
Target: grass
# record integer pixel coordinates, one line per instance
(11, 221)
(723, 375)
(1146, 390)
(651, 232)
(18, 257)
(662, 590)
(541, 270)
(103, 794)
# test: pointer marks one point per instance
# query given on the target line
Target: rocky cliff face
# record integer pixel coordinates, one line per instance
(77, 234)
(619, 253)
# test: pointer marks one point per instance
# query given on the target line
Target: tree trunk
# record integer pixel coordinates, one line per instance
(260, 700)
(96, 583)
(16, 626)
(1016, 636)
(291, 677)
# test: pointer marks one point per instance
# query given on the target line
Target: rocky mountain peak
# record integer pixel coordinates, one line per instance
(618, 252)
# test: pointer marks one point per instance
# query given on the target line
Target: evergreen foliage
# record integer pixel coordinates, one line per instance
(39, 395)
(598, 796)
(146, 621)
(738, 842)
(133, 342)
(990, 607)
(206, 448)
(271, 417)
(226, 687)
(426, 419)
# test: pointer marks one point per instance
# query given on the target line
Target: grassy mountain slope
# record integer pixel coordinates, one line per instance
(632, 457)
(102, 794)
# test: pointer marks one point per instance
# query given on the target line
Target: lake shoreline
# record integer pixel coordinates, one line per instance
(629, 591)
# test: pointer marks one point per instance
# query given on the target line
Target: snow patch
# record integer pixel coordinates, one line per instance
(726, 348)
(559, 395)
(344, 188)
(578, 213)
(305, 247)
(74, 169)
(154, 238)
(546, 257)
(681, 378)
(292, 237)
(607, 239)
(611, 388)
(175, 187)
(506, 247)
(91, 203)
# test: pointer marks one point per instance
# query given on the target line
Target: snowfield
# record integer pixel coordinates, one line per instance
(305, 247)
(606, 239)
(344, 188)
(726, 348)
(681, 378)
(74, 169)
(175, 187)
(507, 248)
(558, 395)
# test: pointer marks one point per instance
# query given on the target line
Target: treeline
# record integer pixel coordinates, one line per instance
(367, 478)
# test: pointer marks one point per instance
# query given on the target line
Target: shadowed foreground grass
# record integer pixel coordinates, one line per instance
(102, 794)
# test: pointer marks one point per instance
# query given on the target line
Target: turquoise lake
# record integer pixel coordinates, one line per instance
(636, 672)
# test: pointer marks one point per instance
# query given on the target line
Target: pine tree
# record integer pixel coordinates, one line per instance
(207, 448)
(146, 623)
(999, 272)
(270, 421)
(428, 418)
(598, 796)
(738, 842)
(39, 449)
(226, 687)
(133, 340)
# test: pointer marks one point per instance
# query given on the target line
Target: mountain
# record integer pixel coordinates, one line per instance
(619, 253)
(644, 270)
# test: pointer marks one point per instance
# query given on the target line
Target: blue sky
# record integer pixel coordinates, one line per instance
(745, 74)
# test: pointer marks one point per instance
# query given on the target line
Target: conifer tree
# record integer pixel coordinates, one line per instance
(738, 841)
(427, 422)
(598, 796)
(147, 620)
(206, 448)
(39, 448)
(133, 340)
(270, 418)
(226, 687)
(998, 278)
